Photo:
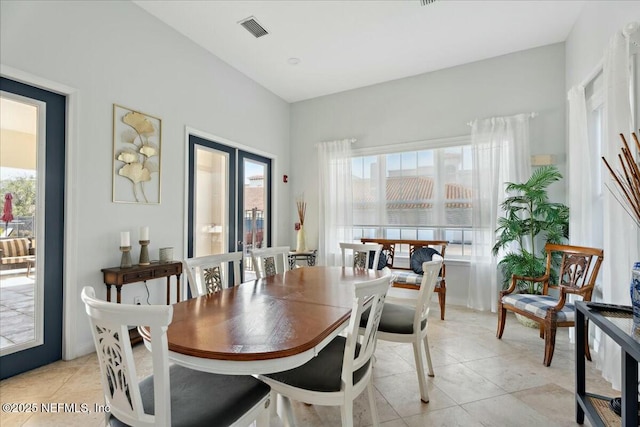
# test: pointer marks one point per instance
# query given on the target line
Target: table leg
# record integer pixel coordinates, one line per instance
(580, 364)
(178, 288)
(118, 293)
(108, 293)
(168, 290)
(629, 390)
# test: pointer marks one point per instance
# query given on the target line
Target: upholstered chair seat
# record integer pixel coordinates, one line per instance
(201, 399)
(323, 372)
(396, 319)
(539, 304)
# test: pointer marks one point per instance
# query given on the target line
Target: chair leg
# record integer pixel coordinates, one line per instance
(422, 382)
(502, 317)
(274, 403)
(541, 330)
(346, 412)
(549, 341)
(428, 354)
(375, 420)
(442, 298)
(264, 419)
(287, 413)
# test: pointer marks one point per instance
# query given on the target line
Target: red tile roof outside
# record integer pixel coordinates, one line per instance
(410, 192)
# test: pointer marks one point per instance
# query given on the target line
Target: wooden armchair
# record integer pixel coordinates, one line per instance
(577, 276)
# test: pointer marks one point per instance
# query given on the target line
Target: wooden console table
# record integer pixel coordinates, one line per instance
(118, 277)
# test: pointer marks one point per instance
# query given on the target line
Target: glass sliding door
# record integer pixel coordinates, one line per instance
(229, 201)
(211, 202)
(32, 141)
(255, 205)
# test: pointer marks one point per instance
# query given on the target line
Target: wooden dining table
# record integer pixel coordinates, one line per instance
(268, 325)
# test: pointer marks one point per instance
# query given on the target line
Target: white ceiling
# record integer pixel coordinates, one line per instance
(343, 45)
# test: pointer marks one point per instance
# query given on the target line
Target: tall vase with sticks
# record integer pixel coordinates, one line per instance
(301, 238)
(627, 182)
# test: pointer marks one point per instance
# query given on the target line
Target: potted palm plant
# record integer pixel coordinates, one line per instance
(530, 222)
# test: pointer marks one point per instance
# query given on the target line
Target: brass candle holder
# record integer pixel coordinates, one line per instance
(125, 261)
(144, 252)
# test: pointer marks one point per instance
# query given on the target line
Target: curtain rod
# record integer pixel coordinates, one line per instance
(532, 115)
(350, 140)
(593, 74)
(627, 32)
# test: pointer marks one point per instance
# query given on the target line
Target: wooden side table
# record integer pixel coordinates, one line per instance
(118, 277)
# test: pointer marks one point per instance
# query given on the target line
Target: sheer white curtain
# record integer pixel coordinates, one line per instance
(583, 162)
(500, 150)
(583, 183)
(336, 199)
(620, 233)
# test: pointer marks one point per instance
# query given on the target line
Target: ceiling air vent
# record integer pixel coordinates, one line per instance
(426, 2)
(251, 25)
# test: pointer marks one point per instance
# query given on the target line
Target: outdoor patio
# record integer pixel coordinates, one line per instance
(16, 307)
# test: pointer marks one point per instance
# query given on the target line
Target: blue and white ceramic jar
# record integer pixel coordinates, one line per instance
(635, 294)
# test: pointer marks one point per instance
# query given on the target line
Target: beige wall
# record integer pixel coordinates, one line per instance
(17, 149)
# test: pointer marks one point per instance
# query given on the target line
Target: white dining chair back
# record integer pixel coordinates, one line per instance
(343, 368)
(173, 394)
(211, 273)
(270, 261)
(408, 323)
(359, 255)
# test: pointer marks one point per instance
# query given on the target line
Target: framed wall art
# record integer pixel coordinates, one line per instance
(136, 156)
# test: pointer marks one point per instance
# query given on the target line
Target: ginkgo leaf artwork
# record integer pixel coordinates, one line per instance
(136, 151)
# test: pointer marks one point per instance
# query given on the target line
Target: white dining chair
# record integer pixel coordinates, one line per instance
(173, 395)
(270, 261)
(359, 254)
(211, 273)
(341, 370)
(408, 323)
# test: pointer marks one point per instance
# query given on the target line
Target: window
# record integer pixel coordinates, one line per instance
(423, 194)
(595, 118)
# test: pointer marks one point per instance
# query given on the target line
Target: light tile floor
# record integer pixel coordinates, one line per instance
(479, 381)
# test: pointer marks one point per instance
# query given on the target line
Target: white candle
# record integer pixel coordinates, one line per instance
(124, 238)
(144, 233)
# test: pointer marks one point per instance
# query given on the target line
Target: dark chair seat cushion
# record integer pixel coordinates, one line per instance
(396, 319)
(323, 372)
(202, 399)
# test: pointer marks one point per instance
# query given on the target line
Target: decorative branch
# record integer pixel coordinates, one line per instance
(302, 209)
(628, 180)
